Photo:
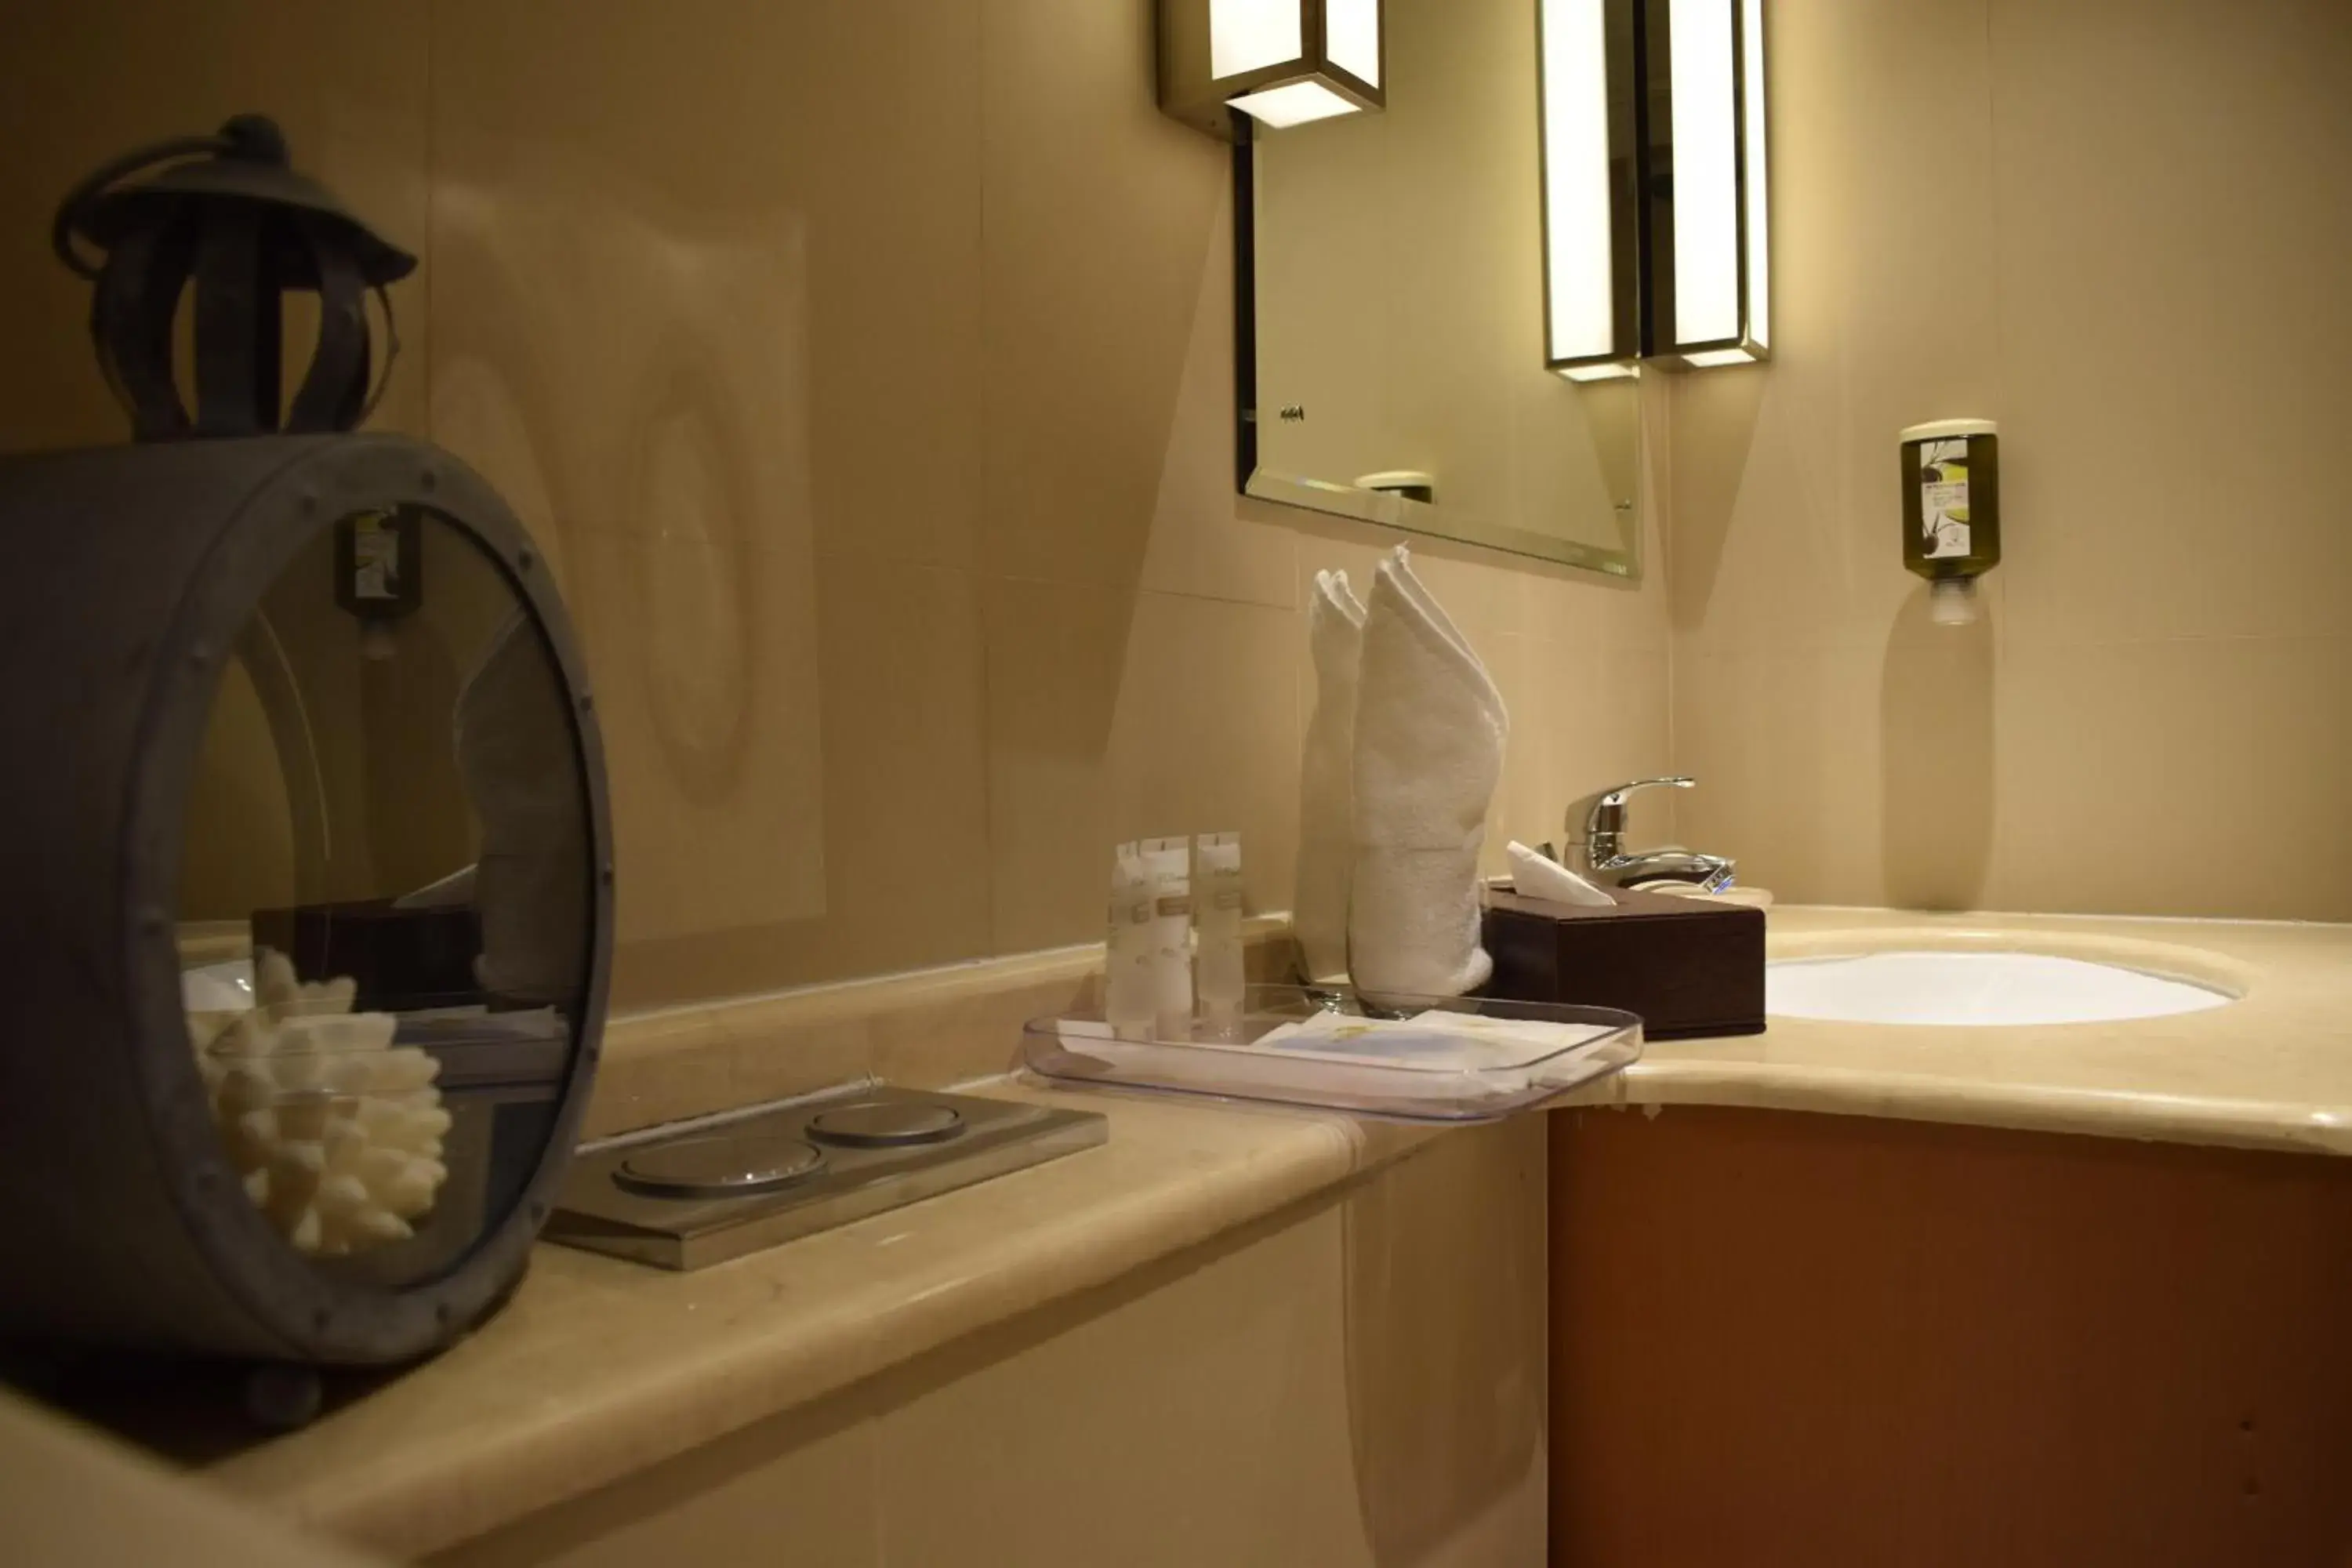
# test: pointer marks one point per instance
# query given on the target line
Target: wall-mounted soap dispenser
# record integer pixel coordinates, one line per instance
(1951, 511)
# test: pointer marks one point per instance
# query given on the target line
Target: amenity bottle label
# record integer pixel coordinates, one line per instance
(1944, 496)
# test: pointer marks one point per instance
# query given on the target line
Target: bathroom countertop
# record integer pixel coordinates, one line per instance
(600, 1368)
(2271, 1070)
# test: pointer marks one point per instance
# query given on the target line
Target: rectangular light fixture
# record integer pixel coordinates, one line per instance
(1655, 203)
(1586, 52)
(1283, 62)
(1709, 276)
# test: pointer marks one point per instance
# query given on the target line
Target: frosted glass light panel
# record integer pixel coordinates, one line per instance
(1590, 188)
(1709, 271)
(1283, 62)
(1351, 37)
(1250, 34)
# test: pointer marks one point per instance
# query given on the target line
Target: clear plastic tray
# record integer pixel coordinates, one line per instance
(1450, 1058)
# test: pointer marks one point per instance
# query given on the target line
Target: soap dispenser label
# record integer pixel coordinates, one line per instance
(1944, 496)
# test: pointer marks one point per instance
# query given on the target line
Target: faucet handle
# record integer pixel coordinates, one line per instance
(1599, 818)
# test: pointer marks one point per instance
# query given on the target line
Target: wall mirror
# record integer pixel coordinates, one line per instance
(1389, 300)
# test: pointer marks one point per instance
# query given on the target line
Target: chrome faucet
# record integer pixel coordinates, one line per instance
(1596, 845)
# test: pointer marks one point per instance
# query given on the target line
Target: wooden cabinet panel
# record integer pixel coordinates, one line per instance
(1825, 1341)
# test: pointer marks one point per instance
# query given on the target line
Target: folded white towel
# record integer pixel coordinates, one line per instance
(1326, 792)
(1538, 876)
(1430, 729)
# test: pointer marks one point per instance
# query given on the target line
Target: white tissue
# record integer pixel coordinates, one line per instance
(1327, 793)
(335, 1132)
(1536, 876)
(1429, 730)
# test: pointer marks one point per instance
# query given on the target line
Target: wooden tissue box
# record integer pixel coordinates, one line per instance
(1686, 966)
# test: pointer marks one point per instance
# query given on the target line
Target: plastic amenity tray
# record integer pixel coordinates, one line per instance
(1449, 1058)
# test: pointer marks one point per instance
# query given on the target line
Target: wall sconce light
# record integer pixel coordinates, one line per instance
(1283, 62)
(1709, 276)
(1656, 209)
(1590, 188)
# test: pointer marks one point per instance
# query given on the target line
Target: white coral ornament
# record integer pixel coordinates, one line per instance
(336, 1132)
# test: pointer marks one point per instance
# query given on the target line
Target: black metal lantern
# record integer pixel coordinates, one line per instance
(307, 851)
(238, 222)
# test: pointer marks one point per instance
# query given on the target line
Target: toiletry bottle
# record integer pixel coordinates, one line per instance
(1170, 862)
(1127, 1001)
(1951, 511)
(1217, 866)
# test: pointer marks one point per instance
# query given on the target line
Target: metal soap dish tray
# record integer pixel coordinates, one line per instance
(1436, 1059)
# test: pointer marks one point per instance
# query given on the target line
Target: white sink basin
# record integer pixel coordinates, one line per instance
(1974, 988)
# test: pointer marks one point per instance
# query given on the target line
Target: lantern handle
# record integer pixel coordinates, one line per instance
(247, 135)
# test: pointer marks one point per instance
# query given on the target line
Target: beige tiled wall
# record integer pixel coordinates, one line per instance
(87, 81)
(864, 367)
(2118, 226)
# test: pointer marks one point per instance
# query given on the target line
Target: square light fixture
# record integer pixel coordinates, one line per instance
(1283, 62)
(1655, 203)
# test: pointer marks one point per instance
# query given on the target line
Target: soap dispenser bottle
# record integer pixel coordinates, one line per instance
(1951, 511)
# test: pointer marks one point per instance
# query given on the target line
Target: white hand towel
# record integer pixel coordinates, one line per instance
(1327, 793)
(1538, 876)
(1430, 729)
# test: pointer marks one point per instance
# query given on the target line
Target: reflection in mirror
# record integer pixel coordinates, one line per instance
(386, 899)
(1394, 305)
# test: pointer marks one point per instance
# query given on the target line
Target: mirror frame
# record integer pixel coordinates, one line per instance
(1622, 563)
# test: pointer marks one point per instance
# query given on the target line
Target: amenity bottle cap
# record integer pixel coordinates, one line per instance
(1948, 430)
(1952, 602)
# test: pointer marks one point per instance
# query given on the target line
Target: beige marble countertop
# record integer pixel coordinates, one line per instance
(600, 1368)
(2271, 1070)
